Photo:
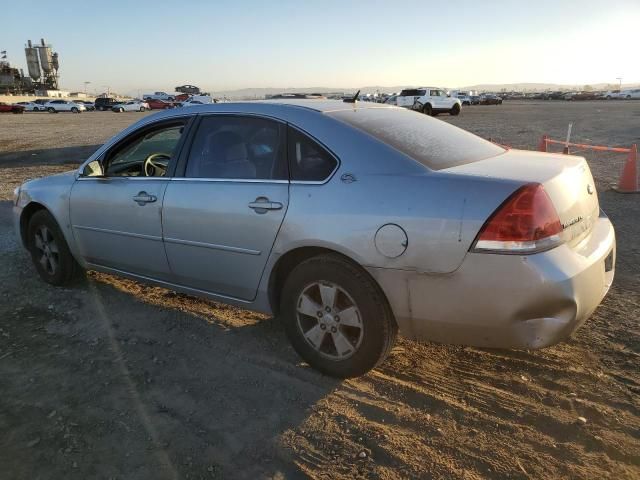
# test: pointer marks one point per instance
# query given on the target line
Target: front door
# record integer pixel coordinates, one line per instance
(116, 204)
(221, 218)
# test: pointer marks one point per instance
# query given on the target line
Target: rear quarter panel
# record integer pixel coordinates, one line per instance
(441, 215)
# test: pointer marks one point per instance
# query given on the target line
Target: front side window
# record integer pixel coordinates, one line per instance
(145, 155)
(237, 147)
(308, 161)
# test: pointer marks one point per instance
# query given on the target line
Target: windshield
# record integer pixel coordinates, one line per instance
(432, 142)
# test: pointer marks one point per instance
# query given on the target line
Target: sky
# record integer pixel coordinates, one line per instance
(140, 46)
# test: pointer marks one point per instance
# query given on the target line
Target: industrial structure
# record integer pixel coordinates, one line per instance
(42, 68)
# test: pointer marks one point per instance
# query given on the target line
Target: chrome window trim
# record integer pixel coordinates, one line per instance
(226, 180)
(102, 179)
(311, 182)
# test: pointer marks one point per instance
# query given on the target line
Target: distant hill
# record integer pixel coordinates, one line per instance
(249, 93)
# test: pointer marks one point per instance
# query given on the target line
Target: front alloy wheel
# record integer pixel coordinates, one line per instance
(46, 249)
(49, 250)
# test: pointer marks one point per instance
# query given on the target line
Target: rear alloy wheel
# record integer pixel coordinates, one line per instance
(427, 109)
(336, 317)
(49, 250)
(455, 110)
(51, 110)
(74, 110)
(142, 109)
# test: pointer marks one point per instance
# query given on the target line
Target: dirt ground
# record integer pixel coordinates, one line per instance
(113, 379)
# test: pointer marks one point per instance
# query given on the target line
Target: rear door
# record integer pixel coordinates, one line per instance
(438, 98)
(221, 218)
(407, 97)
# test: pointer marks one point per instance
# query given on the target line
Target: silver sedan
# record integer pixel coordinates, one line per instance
(350, 222)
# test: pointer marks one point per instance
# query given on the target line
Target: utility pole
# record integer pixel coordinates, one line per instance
(85, 87)
(619, 82)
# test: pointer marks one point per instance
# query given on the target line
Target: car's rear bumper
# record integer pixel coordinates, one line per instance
(506, 301)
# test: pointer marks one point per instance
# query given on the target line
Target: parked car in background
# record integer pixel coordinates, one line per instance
(106, 103)
(131, 106)
(612, 94)
(155, 104)
(8, 107)
(88, 105)
(557, 95)
(583, 96)
(475, 99)
(197, 100)
(391, 100)
(464, 98)
(429, 100)
(159, 96)
(630, 94)
(41, 101)
(190, 103)
(490, 99)
(249, 218)
(32, 107)
(56, 106)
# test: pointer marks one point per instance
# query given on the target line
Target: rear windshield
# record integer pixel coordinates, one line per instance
(432, 142)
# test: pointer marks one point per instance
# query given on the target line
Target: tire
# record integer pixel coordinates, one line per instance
(371, 332)
(628, 97)
(427, 109)
(74, 110)
(142, 109)
(51, 110)
(57, 268)
(100, 109)
(455, 110)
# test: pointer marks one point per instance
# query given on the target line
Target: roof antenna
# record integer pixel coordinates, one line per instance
(352, 100)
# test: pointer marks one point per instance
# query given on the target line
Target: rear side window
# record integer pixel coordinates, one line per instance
(237, 147)
(308, 161)
(432, 142)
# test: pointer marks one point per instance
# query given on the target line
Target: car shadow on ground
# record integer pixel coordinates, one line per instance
(132, 381)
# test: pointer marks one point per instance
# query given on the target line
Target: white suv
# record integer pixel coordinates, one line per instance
(55, 106)
(429, 100)
(629, 94)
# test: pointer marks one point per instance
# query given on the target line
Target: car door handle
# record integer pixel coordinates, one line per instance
(262, 204)
(143, 198)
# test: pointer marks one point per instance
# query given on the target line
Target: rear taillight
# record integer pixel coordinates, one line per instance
(526, 222)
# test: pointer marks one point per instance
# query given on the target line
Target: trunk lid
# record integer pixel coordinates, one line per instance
(566, 179)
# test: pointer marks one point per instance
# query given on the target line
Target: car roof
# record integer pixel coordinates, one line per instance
(321, 105)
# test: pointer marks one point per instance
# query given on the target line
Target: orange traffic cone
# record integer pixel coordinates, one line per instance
(542, 146)
(629, 179)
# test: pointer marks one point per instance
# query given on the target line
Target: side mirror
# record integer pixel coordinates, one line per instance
(93, 169)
